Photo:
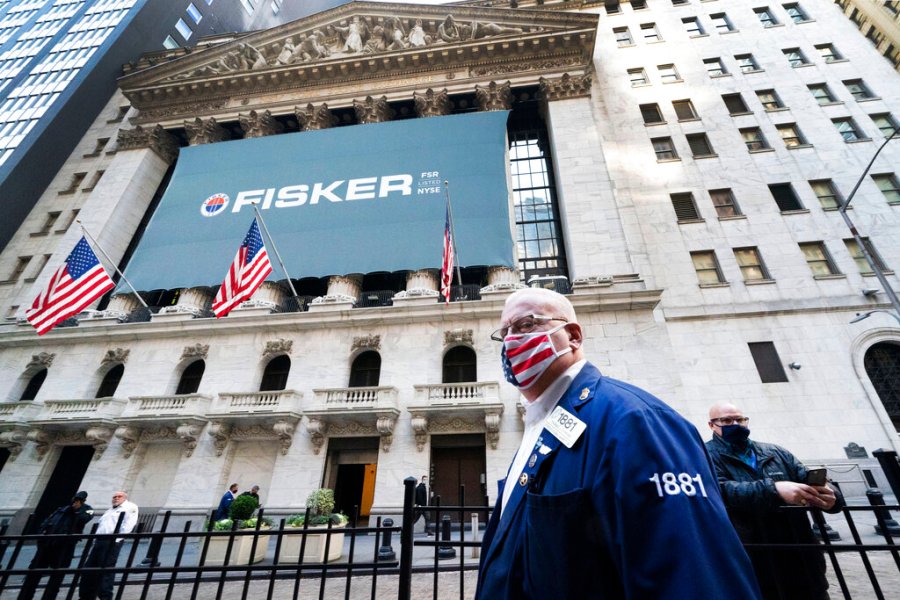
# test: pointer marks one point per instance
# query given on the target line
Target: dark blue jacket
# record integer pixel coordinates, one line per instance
(631, 510)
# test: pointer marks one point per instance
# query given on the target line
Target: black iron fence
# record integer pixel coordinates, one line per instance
(386, 560)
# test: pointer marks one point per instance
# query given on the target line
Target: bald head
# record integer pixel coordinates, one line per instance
(552, 303)
(723, 409)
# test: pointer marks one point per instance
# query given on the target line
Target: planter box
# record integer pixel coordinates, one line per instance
(240, 550)
(314, 552)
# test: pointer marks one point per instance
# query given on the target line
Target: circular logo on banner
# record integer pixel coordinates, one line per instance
(214, 205)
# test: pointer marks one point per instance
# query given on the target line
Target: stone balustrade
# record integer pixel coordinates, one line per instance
(458, 393)
(356, 398)
(18, 412)
(84, 409)
(256, 402)
(176, 405)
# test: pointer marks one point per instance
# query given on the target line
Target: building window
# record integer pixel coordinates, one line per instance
(638, 4)
(750, 262)
(707, 267)
(110, 382)
(848, 129)
(891, 7)
(76, 180)
(169, 43)
(724, 203)
(94, 180)
(184, 29)
(821, 93)
(828, 195)
(858, 89)
(190, 379)
(768, 364)
(638, 77)
(765, 16)
(679, 2)
(754, 139)
(791, 135)
(693, 27)
(796, 13)
(623, 36)
(795, 57)
(249, 5)
(612, 7)
(651, 114)
(684, 110)
(818, 259)
(40, 267)
(34, 386)
(19, 268)
(459, 365)
(685, 207)
(99, 145)
(650, 33)
(700, 145)
(735, 104)
(885, 123)
(275, 375)
(769, 99)
(668, 73)
(721, 22)
(539, 239)
(715, 67)
(889, 186)
(276, 6)
(746, 63)
(193, 13)
(859, 258)
(664, 148)
(829, 53)
(785, 197)
(49, 221)
(366, 370)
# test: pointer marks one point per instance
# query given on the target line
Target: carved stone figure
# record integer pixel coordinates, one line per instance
(353, 35)
(376, 41)
(483, 30)
(311, 47)
(393, 34)
(249, 58)
(286, 55)
(449, 31)
(417, 36)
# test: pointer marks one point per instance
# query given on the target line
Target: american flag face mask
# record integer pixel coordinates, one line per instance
(526, 356)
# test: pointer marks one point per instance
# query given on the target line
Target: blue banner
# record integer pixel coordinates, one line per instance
(355, 199)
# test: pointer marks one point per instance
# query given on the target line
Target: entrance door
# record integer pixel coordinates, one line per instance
(63, 484)
(455, 466)
(348, 488)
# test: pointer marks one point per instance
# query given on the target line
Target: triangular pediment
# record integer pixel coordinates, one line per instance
(356, 41)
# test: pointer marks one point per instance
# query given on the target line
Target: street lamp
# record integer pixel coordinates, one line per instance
(860, 316)
(842, 208)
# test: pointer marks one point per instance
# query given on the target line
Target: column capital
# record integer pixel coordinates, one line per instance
(207, 131)
(373, 110)
(567, 86)
(432, 104)
(313, 118)
(496, 96)
(156, 138)
(259, 124)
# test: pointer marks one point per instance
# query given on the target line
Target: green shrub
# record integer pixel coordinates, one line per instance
(320, 503)
(242, 508)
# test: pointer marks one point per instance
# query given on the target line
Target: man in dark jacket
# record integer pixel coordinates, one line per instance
(56, 552)
(758, 481)
(422, 501)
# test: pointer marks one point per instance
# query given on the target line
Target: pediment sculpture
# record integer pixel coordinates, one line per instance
(358, 35)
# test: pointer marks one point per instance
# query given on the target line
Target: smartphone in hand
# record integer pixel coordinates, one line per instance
(816, 476)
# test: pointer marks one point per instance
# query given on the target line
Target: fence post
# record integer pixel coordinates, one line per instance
(156, 543)
(406, 540)
(891, 467)
(445, 550)
(385, 551)
(882, 515)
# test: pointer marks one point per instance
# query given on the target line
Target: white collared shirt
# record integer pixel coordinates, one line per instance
(111, 517)
(535, 413)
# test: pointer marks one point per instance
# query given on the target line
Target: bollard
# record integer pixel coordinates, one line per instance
(876, 498)
(445, 550)
(385, 551)
(476, 551)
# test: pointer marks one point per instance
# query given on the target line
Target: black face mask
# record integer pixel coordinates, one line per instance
(735, 434)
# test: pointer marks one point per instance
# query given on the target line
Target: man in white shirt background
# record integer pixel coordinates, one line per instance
(105, 551)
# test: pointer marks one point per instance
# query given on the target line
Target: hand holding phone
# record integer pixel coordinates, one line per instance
(816, 476)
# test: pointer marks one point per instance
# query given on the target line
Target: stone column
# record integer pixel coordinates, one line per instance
(268, 298)
(259, 125)
(192, 302)
(592, 212)
(421, 288)
(201, 132)
(501, 281)
(432, 104)
(343, 290)
(313, 118)
(373, 110)
(494, 97)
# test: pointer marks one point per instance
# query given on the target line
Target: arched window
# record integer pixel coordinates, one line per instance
(882, 362)
(366, 369)
(190, 378)
(34, 385)
(276, 374)
(110, 382)
(459, 365)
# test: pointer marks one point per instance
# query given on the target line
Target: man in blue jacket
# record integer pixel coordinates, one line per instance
(611, 494)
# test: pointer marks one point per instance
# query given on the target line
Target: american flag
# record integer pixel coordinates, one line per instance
(76, 284)
(447, 263)
(249, 269)
(523, 357)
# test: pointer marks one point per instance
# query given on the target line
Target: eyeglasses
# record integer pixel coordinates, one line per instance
(524, 324)
(730, 421)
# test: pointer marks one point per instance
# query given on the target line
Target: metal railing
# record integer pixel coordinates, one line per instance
(372, 561)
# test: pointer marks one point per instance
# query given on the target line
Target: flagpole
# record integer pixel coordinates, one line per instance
(275, 250)
(110, 261)
(453, 235)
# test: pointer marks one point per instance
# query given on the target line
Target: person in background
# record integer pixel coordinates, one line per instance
(611, 493)
(757, 481)
(105, 551)
(253, 493)
(225, 502)
(57, 552)
(422, 503)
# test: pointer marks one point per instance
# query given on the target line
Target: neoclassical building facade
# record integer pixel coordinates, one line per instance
(672, 169)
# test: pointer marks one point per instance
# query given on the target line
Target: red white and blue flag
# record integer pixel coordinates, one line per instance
(76, 284)
(447, 262)
(249, 269)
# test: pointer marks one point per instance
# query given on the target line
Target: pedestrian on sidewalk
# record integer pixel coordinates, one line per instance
(105, 551)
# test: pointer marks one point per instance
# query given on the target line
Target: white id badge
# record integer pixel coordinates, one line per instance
(565, 426)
